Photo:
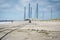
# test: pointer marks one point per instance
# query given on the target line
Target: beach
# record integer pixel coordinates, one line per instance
(37, 30)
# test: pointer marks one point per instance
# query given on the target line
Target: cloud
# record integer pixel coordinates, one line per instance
(6, 5)
(55, 0)
(2, 1)
(23, 2)
(17, 6)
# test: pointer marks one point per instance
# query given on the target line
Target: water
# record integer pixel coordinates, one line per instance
(5, 22)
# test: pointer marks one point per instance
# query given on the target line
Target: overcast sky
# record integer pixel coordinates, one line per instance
(14, 9)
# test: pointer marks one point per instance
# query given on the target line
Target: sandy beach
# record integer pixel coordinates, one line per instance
(37, 30)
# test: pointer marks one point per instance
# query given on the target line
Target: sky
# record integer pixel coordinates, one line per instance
(14, 9)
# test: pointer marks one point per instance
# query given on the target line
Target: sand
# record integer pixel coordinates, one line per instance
(37, 30)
